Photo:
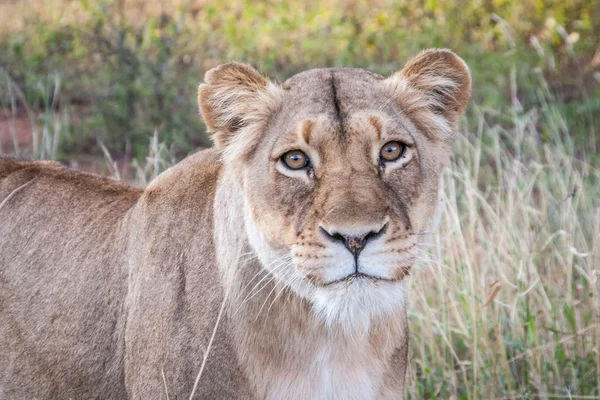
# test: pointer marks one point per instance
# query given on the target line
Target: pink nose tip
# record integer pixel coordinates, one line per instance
(355, 244)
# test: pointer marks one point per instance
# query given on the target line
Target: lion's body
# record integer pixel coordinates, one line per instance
(235, 275)
(67, 308)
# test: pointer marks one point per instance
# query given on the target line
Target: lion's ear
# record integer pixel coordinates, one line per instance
(445, 80)
(228, 98)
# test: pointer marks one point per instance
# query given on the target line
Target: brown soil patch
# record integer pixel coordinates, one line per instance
(19, 128)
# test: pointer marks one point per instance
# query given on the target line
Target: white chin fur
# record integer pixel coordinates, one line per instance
(354, 305)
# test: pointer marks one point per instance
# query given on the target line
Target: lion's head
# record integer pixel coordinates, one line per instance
(340, 171)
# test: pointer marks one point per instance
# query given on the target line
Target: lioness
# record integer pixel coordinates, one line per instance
(271, 266)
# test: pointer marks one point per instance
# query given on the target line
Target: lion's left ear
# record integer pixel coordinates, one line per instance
(443, 78)
(233, 95)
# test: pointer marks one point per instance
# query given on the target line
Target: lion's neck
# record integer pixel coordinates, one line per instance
(289, 352)
(285, 349)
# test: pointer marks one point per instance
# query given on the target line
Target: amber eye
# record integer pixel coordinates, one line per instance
(295, 159)
(391, 151)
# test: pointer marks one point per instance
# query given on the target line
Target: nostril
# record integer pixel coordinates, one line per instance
(332, 236)
(376, 234)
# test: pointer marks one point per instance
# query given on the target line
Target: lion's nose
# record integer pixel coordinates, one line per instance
(354, 243)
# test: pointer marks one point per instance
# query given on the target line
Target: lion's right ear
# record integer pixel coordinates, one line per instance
(230, 99)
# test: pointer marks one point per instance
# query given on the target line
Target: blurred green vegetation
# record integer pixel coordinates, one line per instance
(123, 74)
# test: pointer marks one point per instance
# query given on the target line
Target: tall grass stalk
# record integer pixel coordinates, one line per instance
(45, 126)
(159, 158)
(508, 304)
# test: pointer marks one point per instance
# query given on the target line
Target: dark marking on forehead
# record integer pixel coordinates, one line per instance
(333, 93)
(339, 115)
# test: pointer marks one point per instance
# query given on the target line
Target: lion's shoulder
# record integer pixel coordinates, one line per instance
(190, 183)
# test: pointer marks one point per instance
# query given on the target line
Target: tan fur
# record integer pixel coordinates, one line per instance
(107, 291)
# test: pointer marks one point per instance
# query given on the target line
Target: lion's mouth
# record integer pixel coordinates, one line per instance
(357, 276)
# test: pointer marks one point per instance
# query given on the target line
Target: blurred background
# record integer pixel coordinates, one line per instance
(507, 303)
(86, 73)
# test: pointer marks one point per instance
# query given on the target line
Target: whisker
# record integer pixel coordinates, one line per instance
(285, 286)
(282, 279)
(254, 293)
(265, 270)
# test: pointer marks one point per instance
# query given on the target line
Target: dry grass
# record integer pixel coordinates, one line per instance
(508, 306)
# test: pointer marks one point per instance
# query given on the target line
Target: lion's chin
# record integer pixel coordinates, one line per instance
(355, 303)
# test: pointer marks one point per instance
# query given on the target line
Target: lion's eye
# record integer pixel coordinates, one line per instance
(391, 151)
(295, 159)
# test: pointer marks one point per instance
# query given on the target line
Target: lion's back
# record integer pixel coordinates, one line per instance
(62, 279)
